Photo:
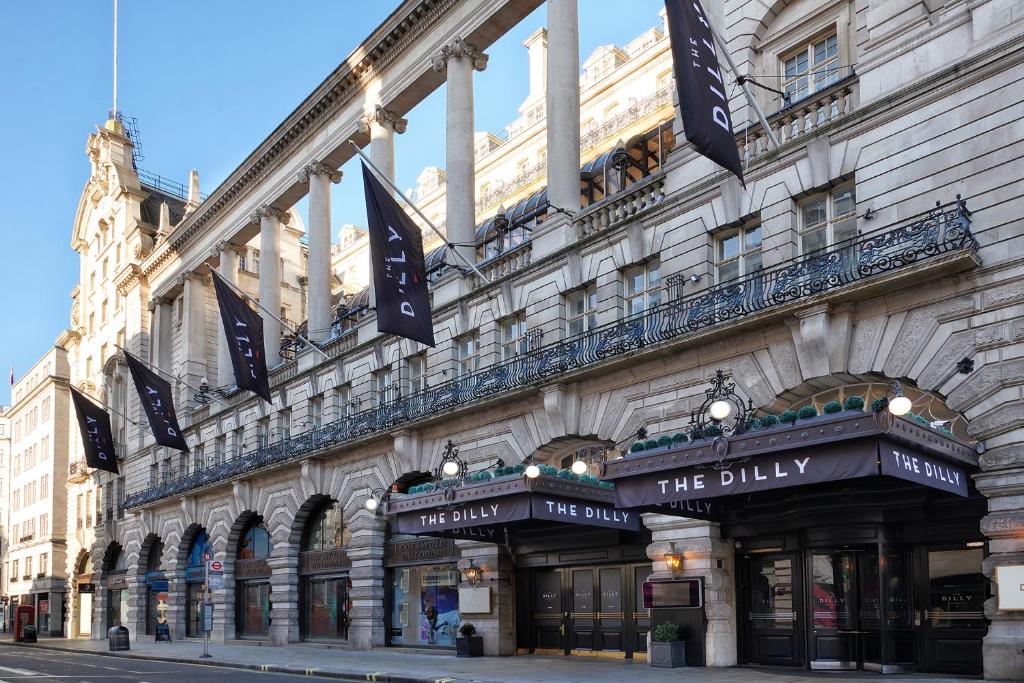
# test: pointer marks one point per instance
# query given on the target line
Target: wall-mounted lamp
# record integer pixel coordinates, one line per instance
(898, 404)
(473, 573)
(376, 497)
(673, 560)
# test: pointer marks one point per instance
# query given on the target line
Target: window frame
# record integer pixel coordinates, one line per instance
(587, 318)
(743, 252)
(650, 293)
(829, 66)
(515, 336)
(464, 358)
(831, 219)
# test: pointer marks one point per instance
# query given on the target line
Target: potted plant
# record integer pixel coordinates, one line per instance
(667, 648)
(469, 644)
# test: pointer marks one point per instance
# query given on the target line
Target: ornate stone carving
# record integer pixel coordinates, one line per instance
(223, 246)
(457, 49)
(385, 118)
(267, 210)
(158, 301)
(319, 168)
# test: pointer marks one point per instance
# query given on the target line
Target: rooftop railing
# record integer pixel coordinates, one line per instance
(942, 231)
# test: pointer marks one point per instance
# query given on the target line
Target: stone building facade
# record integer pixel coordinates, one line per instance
(826, 276)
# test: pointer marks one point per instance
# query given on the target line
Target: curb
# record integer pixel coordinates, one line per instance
(379, 676)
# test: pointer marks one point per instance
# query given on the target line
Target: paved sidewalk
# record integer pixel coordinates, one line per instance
(409, 667)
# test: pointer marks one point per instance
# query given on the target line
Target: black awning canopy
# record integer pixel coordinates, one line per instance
(823, 449)
(485, 510)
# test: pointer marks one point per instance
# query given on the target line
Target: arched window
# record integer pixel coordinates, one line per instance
(255, 544)
(326, 530)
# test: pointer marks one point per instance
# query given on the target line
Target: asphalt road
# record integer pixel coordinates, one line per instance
(67, 667)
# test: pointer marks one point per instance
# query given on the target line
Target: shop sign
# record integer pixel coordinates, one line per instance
(906, 463)
(440, 578)
(317, 561)
(421, 551)
(86, 588)
(157, 581)
(496, 511)
(762, 473)
(44, 606)
(194, 574)
(674, 593)
(1010, 582)
(580, 511)
(252, 569)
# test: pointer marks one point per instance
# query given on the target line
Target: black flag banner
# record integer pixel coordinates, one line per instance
(702, 92)
(244, 329)
(396, 257)
(156, 397)
(97, 437)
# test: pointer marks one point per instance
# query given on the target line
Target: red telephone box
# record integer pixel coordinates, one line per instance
(24, 616)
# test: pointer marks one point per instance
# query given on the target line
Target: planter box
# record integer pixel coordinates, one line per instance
(469, 647)
(667, 655)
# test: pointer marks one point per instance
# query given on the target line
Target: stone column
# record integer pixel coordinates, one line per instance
(563, 105)
(366, 550)
(499, 627)
(318, 269)
(459, 59)
(270, 219)
(135, 620)
(705, 554)
(381, 126)
(284, 594)
(193, 335)
(228, 269)
(177, 603)
(159, 352)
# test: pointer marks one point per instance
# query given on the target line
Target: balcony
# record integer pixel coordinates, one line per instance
(78, 472)
(935, 243)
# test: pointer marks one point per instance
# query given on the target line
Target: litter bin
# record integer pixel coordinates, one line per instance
(117, 639)
(28, 633)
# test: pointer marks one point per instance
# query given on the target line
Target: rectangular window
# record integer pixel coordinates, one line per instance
(263, 432)
(120, 498)
(737, 253)
(28, 568)
(78, 510)
(14, 573)
(467, 354)
(44, 525)
(581, 310)
(316, 412)
(346, 406)
(284, 421)
(17, 465)
(827, 218)
(44, 448)
(514, 339)
(88, 509)
(385, 388)
(417, 373)
(16, 500)
(811, 67)
(44, 486)
(219, 448)
(46, 410)
(44, 564)
(643, 288)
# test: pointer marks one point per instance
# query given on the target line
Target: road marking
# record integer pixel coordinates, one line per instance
(20, 672)
(373, 676)
(443, 680)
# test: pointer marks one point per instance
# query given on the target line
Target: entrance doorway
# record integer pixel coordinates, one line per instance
(908, 608)
(591, 610)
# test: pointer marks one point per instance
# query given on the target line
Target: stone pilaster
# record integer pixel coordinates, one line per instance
(193, 336)
(1001, 480)
(318, 268)
(135, 620)
(366, 550)
(224, 605)
(177, 603)
(563, 105)
(458, 59)
(284, 594)
(705, 554)
(498, 627)
(270, 219)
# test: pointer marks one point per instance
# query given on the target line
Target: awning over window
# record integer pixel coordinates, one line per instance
(813, 451)
(486, 510)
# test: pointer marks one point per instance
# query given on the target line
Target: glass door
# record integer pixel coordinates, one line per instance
(548, 626)
(835, 623)
(951, 611)
(773, 603)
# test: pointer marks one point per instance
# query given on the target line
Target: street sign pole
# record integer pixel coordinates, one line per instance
(207, 605)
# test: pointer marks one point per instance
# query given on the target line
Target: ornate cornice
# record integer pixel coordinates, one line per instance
(347, 82)
(382, 117)
(458, 49)
(268, 211)
(319, 168)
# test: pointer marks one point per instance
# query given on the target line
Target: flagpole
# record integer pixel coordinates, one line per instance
(172, 377)
(743, 84)
(107, 406)
(384, 179)
(283, 323)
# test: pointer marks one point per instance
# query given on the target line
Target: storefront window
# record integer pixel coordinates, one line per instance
(194, 574)
(252, 582)
(425, 607)
(323, 566)
(831, 589)
(328, 607)
(957, 589)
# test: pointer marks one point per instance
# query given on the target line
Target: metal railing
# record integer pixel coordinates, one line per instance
(944, 230)
(165, 185)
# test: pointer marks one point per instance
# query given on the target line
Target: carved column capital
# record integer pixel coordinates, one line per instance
(319, 168)
(223, 246)
(457, 49)
(383, 117)
(158, 301)
(267, 210)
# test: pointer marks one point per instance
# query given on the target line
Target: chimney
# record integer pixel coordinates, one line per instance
(193, 192)
(164, 228)
(537, 47)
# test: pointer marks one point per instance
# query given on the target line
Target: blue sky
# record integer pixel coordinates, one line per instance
(207, 81)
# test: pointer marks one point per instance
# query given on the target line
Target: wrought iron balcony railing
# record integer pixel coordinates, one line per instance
(944, 230)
